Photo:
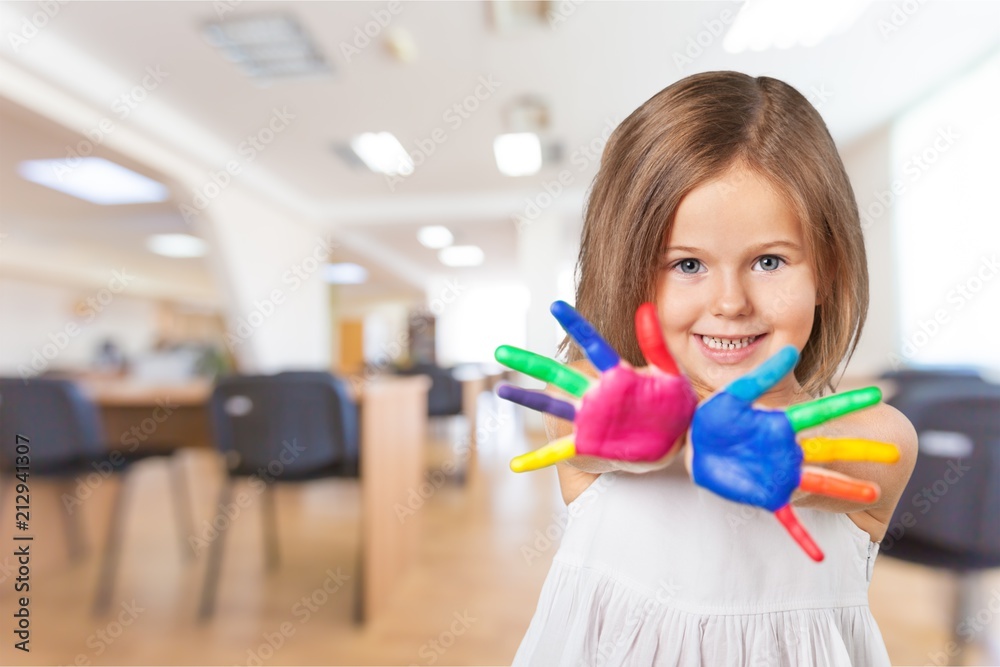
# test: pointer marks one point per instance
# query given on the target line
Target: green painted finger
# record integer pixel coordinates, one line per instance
(543, 368)
(813, 413)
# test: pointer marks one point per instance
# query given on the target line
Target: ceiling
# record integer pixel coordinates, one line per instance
(592, 68)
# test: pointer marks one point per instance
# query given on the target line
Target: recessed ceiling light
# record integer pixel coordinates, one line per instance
(435, 236)
(345, 273)
(518, 154)
(267, 47)
(176, 245)
(382, 153)
(96, 180)
(461, 255)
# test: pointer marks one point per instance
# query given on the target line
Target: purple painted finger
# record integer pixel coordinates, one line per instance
(537, 400)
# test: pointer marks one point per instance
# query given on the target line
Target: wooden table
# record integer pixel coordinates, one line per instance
(393, 425)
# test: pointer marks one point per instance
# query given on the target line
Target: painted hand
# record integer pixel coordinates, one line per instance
(750, 455)
(626, 415)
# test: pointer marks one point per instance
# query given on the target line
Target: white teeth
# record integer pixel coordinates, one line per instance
(727, 343)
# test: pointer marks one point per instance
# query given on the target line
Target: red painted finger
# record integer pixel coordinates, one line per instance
(791, 523)
(835, 487)
(650, 337)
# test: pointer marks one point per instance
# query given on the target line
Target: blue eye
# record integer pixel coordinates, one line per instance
(770, 262)
(688, 265)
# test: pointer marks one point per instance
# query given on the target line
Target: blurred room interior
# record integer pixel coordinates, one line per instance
(359, 202)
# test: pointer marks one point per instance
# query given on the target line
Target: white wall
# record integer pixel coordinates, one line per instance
(867, 165)
(53, 327)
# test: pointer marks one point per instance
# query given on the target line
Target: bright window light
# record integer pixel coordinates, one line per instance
(176, 245)
(94, 179)
(461, 255)
(435, 237)
(942, 204)
(382, 153)
(345, 273)
(518, 154)
(782, 24)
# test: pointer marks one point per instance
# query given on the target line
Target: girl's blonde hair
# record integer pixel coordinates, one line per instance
(695, 131)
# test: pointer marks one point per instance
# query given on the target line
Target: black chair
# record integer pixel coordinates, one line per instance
(65, 441)
(948, 515)
(291, 427)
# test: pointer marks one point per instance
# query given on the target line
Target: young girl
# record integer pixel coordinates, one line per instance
(722, 200)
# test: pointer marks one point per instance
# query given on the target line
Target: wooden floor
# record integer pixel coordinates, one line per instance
(467, 602)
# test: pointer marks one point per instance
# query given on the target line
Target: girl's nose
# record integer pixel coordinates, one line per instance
(731, 298)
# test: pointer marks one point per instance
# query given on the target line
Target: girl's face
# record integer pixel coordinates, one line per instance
(736, 283)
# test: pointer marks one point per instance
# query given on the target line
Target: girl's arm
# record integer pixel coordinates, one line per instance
(883, 423)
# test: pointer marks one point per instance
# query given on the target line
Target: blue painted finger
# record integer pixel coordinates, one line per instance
(754, 384)
(594, 346)
(537, 400)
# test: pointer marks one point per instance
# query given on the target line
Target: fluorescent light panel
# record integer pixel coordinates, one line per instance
(461, 255)
(382, 153)
(518, 154)
(96, 180)
(176, 245)
(345, 273)
(435, 237)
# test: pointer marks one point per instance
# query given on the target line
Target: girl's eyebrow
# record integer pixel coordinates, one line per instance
(762, 246)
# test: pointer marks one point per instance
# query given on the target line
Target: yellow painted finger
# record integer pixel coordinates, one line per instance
(824, 450)
(550, 454)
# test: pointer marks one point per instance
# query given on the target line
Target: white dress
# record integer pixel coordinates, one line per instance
(653, 570)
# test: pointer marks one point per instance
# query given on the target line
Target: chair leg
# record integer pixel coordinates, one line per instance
(182, 505)
(75, 546)
(270, 518)
(211, 585)
(112, 548)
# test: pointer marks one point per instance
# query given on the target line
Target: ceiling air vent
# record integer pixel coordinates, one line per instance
(267, 47)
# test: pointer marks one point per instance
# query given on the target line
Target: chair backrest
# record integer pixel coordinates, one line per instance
(954, 493)
(303, 420)
(61, 424)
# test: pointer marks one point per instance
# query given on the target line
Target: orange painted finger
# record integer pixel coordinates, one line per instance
(791, 523)
(651, 342)
(836, 487)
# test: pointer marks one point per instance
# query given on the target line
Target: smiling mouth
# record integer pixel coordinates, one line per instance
(717, 343)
